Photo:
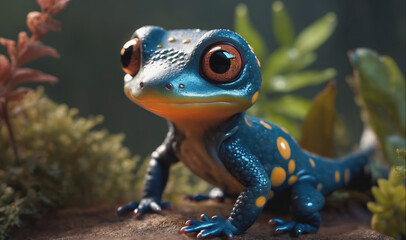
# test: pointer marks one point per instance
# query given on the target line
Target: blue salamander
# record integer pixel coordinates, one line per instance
(202, 82)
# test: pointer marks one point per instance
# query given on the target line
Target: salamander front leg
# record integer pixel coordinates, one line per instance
(247, 169)
(306, 202)
(154, 184)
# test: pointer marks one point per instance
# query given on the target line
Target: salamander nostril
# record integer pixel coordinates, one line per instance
(141, 84)
(169, 86)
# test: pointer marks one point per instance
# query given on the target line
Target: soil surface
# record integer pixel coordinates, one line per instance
(351, 222)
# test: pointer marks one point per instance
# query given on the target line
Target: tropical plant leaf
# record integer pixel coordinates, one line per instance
(396, 86)
(276, 63)
(380, 89)
(35, 50)
(18, 94)
(294, 81)
(318, 127)
(282, 25)
(40, 24)
(290, 106)
(52, 6)
(301, 62)
(317, 33)
(11, 47)
(4, 68)
(287, 60)
(244, 27)
(25, 75)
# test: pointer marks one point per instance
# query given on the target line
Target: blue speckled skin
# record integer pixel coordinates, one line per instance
(210, 133)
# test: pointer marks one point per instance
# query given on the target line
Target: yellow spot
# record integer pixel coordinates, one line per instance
(312, 162)
(286, 131)
(271, 194)
(266, 125)
(260, 202)
(337, 176)
(255, 97)
(171, 39)
(278, 176)
(248, 122)
(347, 176)
(159, 46)
(292, 180)
(319, 187)
(186, 41)
(291, 166)
(283, 147)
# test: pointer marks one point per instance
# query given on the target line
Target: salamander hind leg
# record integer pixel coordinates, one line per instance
(306, 203)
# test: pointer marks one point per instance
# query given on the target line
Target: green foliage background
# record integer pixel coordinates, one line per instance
(284, 70)
(91, 78)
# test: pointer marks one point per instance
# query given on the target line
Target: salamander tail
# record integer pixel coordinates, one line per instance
(357, 170)
(351, 171)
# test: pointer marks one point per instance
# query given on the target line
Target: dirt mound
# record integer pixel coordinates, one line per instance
(102, 223)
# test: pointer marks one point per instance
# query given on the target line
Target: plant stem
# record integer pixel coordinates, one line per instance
(10, 130)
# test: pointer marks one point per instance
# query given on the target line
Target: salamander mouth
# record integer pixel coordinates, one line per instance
(187, 104)
(160, 107)
(188, 107)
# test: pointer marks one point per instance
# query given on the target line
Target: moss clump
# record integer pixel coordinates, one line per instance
(63, 160)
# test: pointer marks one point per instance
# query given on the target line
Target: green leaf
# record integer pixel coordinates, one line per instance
(301, 62)
(380, 88)
(282, 25)
(397, 87)
(286, 60)
(318, 127)
(244, 27)
(277, 62)
(316, 34)
(287, 123)
(294, 81)
(290, 106)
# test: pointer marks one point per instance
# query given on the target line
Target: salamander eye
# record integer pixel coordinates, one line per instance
(131, 56)
(221, 63)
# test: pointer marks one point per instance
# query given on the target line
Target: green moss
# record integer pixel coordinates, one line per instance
(63, 160)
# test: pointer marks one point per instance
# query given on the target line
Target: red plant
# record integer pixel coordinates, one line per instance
(27, 50)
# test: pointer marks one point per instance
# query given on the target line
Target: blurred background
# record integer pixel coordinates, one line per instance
(93, 33)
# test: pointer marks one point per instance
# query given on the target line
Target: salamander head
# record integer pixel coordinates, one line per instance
(190, 75)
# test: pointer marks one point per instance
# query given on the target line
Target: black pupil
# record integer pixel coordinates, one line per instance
(126, 56)
(220, 62)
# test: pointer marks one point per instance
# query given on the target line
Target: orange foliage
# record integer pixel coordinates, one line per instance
(26, 50)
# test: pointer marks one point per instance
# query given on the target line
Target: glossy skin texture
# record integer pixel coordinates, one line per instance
(210, 133)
